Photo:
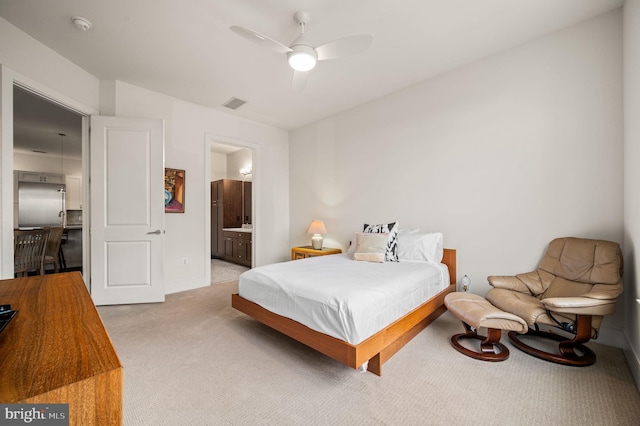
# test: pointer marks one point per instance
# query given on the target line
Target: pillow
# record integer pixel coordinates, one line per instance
(369, 257)
(421, 246)
(391, 254)
(352, 243)
(408, 231)
(371, 247)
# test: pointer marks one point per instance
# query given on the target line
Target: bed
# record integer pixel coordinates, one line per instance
(274, 294)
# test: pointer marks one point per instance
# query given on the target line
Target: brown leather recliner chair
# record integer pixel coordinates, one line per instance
(576, 284)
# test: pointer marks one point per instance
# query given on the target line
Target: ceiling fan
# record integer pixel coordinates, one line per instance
(301, 54)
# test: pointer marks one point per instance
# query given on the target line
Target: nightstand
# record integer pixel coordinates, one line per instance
(308, 251)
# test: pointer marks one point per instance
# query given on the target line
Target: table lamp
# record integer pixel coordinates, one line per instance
(316, 228)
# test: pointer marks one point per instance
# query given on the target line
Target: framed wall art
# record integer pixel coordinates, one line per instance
(173, 191)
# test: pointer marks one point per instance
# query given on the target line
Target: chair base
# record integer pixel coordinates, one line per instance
(567, 355)
(488, 344)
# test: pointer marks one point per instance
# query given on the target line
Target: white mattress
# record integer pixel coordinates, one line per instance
(340, 297)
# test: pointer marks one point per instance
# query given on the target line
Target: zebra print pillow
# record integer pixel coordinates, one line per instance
(391, 254)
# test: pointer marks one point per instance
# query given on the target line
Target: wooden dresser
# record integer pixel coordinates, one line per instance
(56, 350)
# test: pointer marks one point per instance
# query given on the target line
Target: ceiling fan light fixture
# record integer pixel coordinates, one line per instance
(303, 55)
(302, 58)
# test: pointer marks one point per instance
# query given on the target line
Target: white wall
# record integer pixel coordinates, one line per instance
(187, 127)
(632, 181)
(188, 130)
(218, 166)
(227, 166)
(502, 155)
(31, 63)
(239, 160)
(33, 59)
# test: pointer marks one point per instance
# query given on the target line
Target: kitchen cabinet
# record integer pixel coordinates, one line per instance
(40, 177)
(74, 192)
(237, 247)
(72, 247)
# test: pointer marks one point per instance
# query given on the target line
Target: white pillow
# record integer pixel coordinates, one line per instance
(408, 231)
(427, 247)
(371, 247)
(353, 243)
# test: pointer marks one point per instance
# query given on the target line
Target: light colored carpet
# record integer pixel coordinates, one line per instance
(194, 360)
(222, 272)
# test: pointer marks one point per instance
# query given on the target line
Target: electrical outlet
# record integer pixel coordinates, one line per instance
(185, 261)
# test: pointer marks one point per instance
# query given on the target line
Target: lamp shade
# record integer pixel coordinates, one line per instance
(317, 227)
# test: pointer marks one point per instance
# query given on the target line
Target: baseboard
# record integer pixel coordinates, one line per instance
(612, 336)
(179, 286)
(634, 364)
(616, 337)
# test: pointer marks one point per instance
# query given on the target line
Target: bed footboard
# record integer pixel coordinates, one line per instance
(377, 349)
(398, 334)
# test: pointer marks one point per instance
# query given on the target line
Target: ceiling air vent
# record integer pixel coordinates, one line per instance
(234, 103)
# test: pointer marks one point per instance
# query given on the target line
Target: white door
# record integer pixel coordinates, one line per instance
(127, 210)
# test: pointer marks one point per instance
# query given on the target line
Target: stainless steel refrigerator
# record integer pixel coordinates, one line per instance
(41, 204)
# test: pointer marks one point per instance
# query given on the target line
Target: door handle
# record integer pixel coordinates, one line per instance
(157, 232)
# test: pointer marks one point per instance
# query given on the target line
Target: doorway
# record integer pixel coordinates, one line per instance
(48, 140)
(231, 215)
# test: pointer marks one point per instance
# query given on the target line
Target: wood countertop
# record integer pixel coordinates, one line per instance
(57, 350)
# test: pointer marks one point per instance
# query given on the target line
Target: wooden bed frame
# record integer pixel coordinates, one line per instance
(378, 348)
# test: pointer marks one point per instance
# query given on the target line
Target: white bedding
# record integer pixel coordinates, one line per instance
(340, 297)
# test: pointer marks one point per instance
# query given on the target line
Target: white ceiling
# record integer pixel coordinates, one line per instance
(185, 48)
(38, 123)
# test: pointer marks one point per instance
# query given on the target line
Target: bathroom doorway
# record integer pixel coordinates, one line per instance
(231, 180)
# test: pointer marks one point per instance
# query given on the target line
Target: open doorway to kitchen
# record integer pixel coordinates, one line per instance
(232, 212)
(47, 167)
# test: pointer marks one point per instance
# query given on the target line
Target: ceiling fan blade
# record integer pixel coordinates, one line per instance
(344, 47)
(299, 81)
(260, 39)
